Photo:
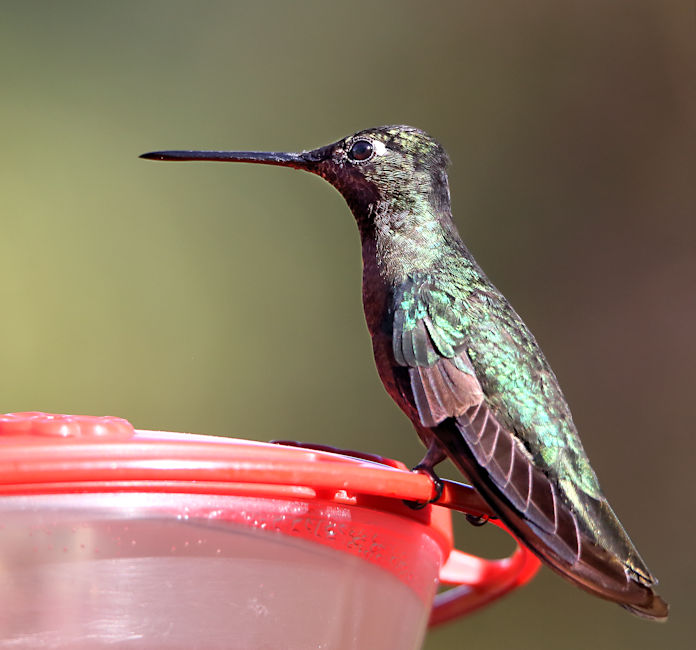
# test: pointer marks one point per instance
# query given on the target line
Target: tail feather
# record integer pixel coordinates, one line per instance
(553, 533)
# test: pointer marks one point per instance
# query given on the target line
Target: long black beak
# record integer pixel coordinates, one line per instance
(304, 160)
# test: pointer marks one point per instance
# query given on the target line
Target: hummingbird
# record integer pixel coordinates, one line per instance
(462, 365)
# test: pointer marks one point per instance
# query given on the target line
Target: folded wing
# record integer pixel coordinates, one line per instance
(575, 531)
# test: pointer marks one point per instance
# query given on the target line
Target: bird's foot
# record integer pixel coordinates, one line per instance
(439, 487)
(475, 520)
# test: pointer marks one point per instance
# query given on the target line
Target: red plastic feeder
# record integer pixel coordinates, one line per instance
(115, 537)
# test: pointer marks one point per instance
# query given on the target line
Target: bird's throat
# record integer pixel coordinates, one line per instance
(399, 242)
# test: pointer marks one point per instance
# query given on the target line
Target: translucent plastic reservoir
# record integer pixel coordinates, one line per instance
(147, 570)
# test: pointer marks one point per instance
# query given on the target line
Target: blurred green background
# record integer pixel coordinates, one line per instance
(226, 299)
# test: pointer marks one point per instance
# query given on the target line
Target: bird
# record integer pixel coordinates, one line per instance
(462, 365)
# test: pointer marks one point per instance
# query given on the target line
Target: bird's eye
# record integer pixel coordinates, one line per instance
(361, 150)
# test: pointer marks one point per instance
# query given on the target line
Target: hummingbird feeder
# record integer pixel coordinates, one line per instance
(111, 537)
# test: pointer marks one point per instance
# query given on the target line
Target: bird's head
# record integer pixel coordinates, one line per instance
(400, 168)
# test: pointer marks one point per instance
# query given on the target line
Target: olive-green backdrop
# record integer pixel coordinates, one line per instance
(226, 299)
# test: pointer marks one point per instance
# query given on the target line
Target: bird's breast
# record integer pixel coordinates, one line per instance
(378, 297)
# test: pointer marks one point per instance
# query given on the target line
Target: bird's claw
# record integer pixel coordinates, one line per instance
(477, 520)
(439, 487)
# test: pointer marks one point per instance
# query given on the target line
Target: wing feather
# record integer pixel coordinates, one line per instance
(430, 340)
